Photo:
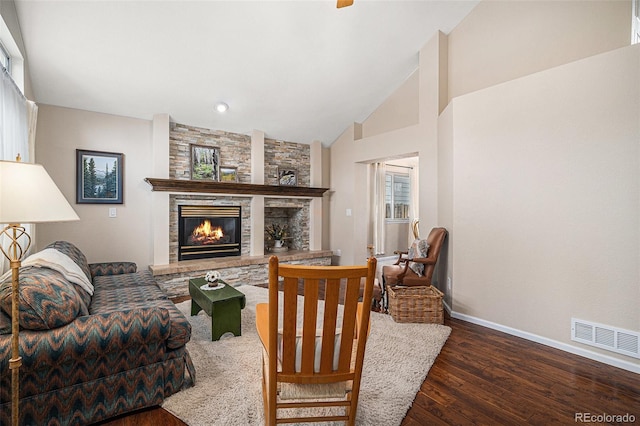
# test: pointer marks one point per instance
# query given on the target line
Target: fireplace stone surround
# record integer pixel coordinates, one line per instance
(301, 213)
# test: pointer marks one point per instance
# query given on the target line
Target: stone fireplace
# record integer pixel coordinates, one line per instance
(199, 204)
(256, 200)
(209, 231)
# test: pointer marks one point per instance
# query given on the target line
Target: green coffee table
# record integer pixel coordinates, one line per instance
(223, 306)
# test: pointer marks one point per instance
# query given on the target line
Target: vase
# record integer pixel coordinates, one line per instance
(278, 243)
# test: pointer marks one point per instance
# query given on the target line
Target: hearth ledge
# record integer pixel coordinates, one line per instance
(234, 262)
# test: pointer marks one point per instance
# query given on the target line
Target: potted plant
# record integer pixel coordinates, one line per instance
(278, 234)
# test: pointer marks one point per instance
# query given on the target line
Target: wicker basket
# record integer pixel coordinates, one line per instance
(416, 304)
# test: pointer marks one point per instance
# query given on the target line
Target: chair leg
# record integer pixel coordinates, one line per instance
(268, 399)
(385, 297)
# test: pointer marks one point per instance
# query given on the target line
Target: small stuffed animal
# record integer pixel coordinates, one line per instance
(212, 277)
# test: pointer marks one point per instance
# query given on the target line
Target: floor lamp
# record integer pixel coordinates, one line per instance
(27, 195)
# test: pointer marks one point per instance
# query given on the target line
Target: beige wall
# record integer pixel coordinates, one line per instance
(536, 233)
(397, 111)
(350, 156)
(546, 198)
(502, 40)
(127, 237)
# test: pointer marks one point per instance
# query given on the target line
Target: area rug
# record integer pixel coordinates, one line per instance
(228, 388)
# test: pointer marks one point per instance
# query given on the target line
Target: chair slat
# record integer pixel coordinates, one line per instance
(349, 323)
(309, 325)
(289, 325)
(331, 298)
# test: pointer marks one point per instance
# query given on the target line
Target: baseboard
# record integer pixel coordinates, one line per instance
(605, 359)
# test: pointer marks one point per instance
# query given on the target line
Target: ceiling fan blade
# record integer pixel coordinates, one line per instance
(344, 3)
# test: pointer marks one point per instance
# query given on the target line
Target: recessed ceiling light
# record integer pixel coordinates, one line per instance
(222, 107)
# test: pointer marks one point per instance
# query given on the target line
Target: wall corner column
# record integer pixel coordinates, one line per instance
(256, 245)
(315, 221)
(160, 200)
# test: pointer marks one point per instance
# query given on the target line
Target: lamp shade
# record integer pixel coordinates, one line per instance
(29, 195)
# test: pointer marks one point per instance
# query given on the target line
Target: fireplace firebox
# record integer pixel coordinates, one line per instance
(208, 231)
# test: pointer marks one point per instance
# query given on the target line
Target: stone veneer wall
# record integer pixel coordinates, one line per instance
(289, 155)
(235, 150)
(176, 200)
(295, 213)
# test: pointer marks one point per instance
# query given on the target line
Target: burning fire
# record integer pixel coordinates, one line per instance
(206, 234)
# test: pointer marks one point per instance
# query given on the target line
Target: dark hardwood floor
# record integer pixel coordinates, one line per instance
(485, 377)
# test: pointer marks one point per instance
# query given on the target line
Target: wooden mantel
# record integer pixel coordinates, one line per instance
(208, 187)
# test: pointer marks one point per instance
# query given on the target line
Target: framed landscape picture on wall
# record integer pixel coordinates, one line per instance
(98, 177)
(205, 162)
(228, 174)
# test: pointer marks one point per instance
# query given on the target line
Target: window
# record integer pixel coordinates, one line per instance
(10, 57)
(397, 196)
(5, 58)
(635, 26)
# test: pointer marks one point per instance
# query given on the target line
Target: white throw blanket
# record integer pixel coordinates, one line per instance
(58, 261)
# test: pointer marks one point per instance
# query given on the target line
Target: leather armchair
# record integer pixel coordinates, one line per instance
(401, 274)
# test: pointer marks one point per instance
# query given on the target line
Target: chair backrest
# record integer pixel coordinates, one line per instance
(317, 346)
(435, 240)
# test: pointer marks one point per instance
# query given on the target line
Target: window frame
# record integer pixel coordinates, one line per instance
(635, 21)
(393, 174)
(6, 57)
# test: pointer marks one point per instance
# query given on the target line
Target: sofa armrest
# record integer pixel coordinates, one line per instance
(112, 268)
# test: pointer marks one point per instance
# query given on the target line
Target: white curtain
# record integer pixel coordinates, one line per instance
(414, 203)
(32, 121)
(14, 136)
(378, 208)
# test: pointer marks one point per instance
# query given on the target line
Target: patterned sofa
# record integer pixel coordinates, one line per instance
(86, 357)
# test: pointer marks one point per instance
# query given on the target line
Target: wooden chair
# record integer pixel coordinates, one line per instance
(311, 353)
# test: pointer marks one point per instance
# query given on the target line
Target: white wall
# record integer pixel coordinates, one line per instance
(127, 237)
(546, 198)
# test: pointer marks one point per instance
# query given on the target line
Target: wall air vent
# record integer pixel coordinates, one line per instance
(614, 339)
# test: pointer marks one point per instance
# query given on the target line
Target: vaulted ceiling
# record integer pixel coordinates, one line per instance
(298, 70)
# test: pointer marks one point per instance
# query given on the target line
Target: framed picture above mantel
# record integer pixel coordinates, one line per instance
(228, 174)
(99, 177)
(287, 176)
(205, 162)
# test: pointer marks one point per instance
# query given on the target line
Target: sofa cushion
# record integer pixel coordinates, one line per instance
(47, 300)
(137, 290)
(112, 268)
(140, 279)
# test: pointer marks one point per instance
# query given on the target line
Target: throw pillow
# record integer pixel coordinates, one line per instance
(47, 300)
(5, 323)
(74, 253)
(421, 250)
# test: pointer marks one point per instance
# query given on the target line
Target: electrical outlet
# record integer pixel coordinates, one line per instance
(113, 212)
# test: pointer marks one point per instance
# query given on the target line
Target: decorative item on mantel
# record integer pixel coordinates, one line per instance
(278, 234)
(213, 281)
